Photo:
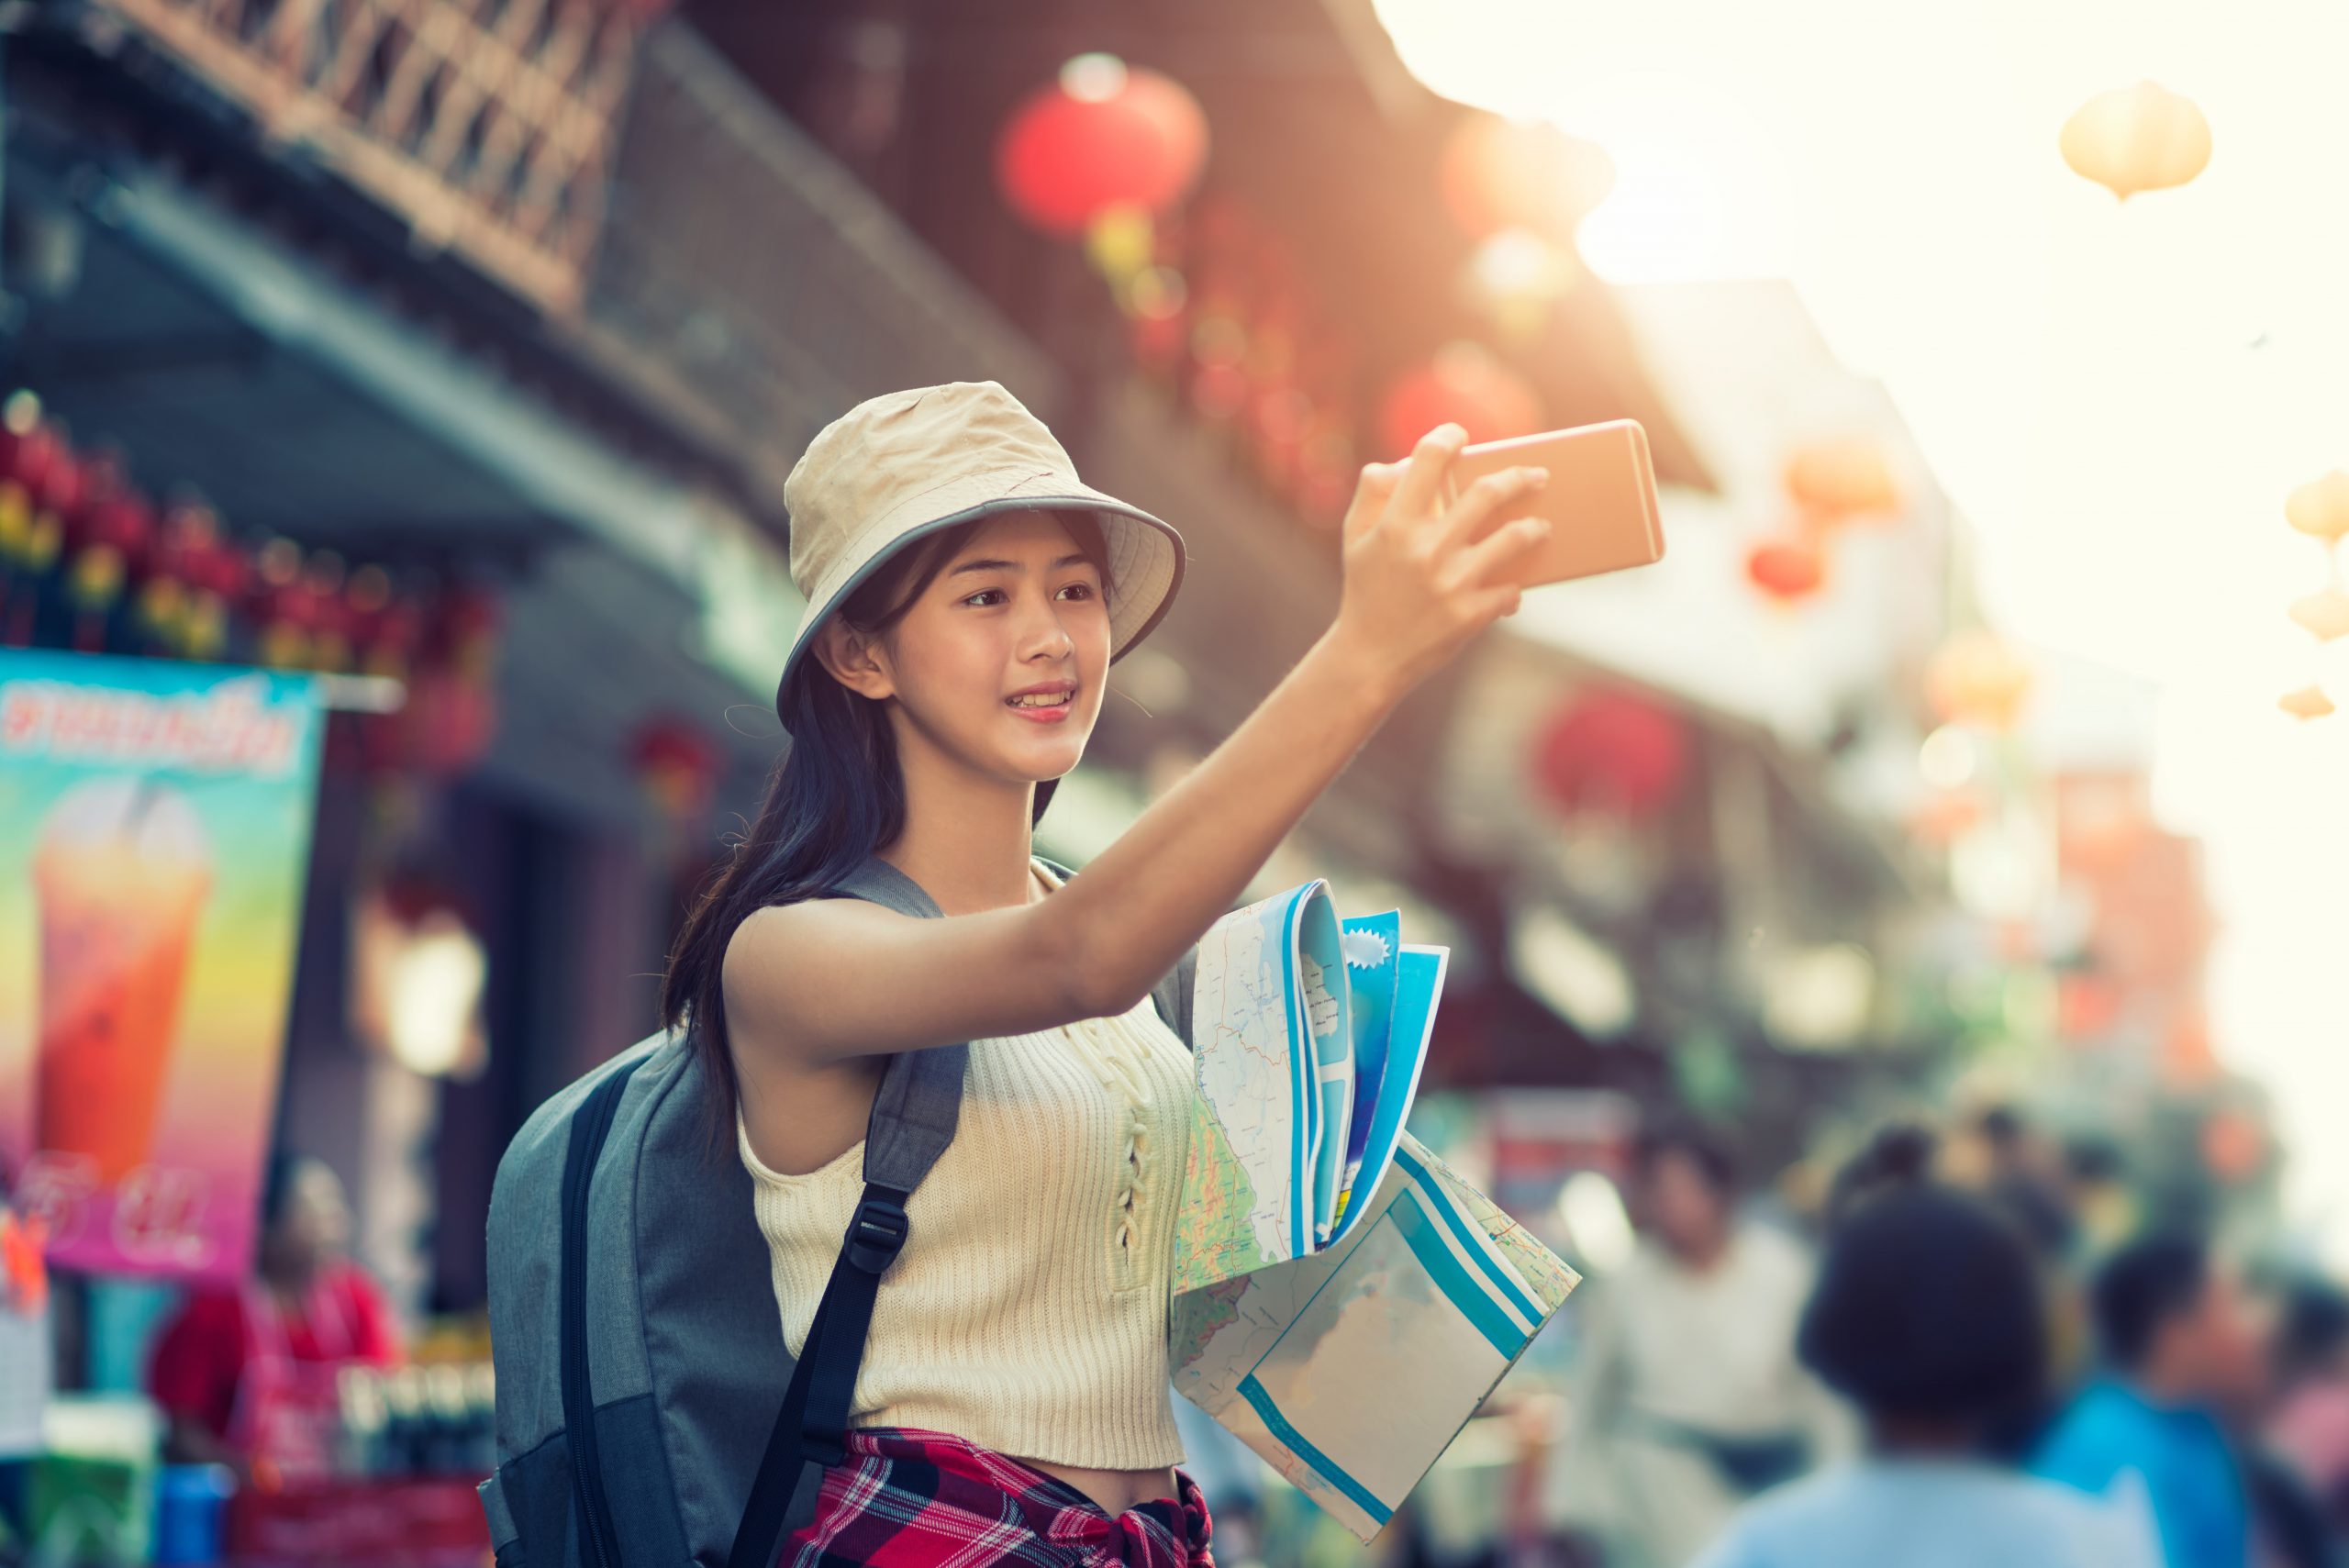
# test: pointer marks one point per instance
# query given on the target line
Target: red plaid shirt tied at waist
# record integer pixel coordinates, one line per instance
(914, 1499)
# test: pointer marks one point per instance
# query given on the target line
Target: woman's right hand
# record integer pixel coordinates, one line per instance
(1419, 583)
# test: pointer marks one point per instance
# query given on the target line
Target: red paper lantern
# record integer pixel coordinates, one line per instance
(1464, 385)
(1101, 137)
(1498, 175)
(1789, 570)
(1611, 751)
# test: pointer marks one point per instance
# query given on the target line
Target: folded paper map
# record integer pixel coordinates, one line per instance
(1342, 1301)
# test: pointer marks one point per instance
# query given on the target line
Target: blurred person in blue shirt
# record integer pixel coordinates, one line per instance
(1928, 1315)
(2180, 1350)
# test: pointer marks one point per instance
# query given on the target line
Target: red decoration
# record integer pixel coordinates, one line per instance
(678, 766)
(1501, 176)
(449, 721)
(1464, 385)
(1102, 137)
(2235, 1146)
(107, 543)
(2086, 1007)
(1611, 751)
(1788, 569)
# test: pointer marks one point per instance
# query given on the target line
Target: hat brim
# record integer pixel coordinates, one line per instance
(1146, 564)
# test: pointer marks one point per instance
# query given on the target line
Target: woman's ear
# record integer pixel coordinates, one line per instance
(854, 660)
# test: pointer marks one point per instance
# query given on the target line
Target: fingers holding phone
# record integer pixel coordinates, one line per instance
(1419, 583)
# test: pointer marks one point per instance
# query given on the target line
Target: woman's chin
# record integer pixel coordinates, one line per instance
(1049, 756)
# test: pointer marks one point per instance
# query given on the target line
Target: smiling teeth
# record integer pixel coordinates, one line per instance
(1044, 699)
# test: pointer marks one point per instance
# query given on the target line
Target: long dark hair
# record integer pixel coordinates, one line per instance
(837, 795)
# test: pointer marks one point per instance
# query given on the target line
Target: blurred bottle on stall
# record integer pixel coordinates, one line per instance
(447, 1418)
(404, 1424)
(360, 1449)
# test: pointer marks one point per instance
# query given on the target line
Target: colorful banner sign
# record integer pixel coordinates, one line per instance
(154, 843)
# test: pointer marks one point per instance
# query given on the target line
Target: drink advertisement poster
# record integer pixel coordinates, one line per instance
(155, 844)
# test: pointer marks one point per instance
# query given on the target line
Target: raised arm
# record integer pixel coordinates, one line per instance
(833, 979)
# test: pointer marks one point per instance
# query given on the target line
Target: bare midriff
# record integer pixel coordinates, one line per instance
(1114, 1490)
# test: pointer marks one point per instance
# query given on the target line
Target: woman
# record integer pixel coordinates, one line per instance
(1927, 1315)
(246, 1376)
(966, 595)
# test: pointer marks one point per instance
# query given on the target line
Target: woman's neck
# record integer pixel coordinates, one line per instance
(288, 1283)
(967, 839)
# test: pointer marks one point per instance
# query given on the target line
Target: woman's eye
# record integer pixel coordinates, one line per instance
(1082, 590)
(984, 594)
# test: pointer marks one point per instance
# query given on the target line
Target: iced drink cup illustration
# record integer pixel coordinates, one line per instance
(120, 877)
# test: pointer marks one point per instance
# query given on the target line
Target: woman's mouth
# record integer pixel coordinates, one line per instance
(1043, 707)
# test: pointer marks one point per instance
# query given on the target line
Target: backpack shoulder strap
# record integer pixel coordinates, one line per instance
(914, 1115)
(1172, 996)
(920, 1098)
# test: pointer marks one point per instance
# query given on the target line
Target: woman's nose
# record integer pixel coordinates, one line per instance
(1045, 633)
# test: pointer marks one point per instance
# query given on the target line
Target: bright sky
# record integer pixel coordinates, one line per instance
(2119, 397)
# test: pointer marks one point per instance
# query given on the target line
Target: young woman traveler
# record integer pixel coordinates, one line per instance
(966, 595)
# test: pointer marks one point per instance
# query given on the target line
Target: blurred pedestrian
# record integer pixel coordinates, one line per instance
(2310, 1426)
(2025, 1178)
(2178, 1348)
(1928, 1317)
(1689, 1399)
(247, 1375)
(24, 1361)
(2291, 1441)
(2096, 1181)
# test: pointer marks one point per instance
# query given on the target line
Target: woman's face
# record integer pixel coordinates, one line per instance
(315, 1225)
(1002, 659)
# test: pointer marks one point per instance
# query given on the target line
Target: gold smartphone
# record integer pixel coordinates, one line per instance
(1600, 499)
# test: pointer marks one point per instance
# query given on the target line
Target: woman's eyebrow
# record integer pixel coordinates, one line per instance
(1079, 559)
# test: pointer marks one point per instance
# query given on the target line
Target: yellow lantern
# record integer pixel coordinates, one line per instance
(2309, 702)
(1975, 678)
(2321, 507)
(1843, 478)
(2145, 137)
(2323, 615)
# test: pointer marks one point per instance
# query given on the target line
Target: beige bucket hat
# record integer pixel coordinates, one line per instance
(910, 463)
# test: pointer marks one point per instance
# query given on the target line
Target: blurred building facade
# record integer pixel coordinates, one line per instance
(562, 327)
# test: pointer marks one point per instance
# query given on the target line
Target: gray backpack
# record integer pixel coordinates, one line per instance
(648, 1412)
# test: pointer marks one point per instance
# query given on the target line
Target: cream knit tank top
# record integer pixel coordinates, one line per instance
(1028, 1311)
